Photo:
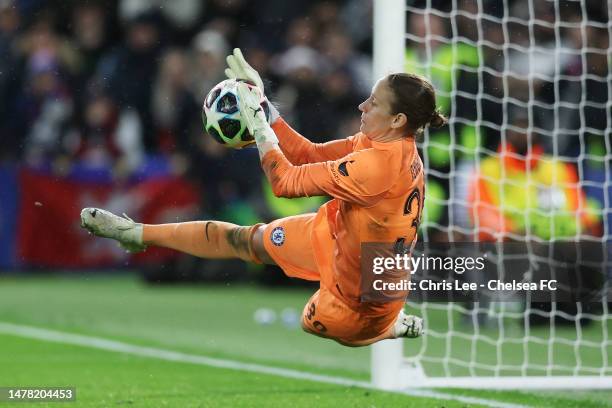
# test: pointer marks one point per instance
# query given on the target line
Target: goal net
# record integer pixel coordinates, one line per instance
(526, 158)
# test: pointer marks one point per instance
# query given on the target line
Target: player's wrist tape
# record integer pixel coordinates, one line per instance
(265, 134)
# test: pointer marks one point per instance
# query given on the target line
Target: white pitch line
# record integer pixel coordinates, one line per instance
(169, 355)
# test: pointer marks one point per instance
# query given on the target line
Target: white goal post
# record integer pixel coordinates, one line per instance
(566, 353)
(389, 43)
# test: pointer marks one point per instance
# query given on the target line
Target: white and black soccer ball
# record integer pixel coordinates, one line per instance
(221, 116)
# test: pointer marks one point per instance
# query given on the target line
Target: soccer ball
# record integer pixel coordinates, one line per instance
(221, 116)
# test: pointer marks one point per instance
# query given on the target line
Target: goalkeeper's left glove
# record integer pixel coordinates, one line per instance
(254, 116)
(240, 69)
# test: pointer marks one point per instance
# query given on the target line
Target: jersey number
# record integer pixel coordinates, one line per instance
(415, 194)
(316, 324)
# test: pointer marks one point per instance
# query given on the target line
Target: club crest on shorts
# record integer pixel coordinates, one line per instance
(278, 236)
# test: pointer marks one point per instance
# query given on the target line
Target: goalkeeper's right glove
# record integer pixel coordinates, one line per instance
(254, 116)
(239, 69)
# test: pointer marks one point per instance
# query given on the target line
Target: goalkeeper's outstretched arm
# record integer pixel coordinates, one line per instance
(300, 150)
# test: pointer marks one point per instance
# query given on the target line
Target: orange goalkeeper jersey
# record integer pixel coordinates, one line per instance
(377, 190)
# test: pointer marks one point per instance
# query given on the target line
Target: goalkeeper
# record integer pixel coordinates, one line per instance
(375, 178)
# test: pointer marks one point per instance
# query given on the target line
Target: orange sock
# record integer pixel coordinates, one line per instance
(205, 239)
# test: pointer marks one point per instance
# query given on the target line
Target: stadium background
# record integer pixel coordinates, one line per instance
(100, 105)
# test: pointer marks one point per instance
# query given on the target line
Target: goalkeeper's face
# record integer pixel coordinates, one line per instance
(376, 117)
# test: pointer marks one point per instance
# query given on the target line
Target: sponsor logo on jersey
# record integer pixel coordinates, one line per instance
(342, 167)
(277, 236)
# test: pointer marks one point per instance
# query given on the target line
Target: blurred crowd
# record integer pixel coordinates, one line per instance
(116, 87)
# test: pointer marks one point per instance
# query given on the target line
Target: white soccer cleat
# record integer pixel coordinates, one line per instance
(408, 326)
(107, 225)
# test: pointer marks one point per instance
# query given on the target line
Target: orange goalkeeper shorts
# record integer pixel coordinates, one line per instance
(288, 242)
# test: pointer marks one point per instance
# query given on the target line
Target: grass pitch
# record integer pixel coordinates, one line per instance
(105, 379)
(214, 321)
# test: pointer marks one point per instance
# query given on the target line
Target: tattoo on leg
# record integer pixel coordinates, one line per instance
(238, 239)
(208, 225)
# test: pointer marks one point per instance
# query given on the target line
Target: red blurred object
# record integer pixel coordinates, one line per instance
(50, 235)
